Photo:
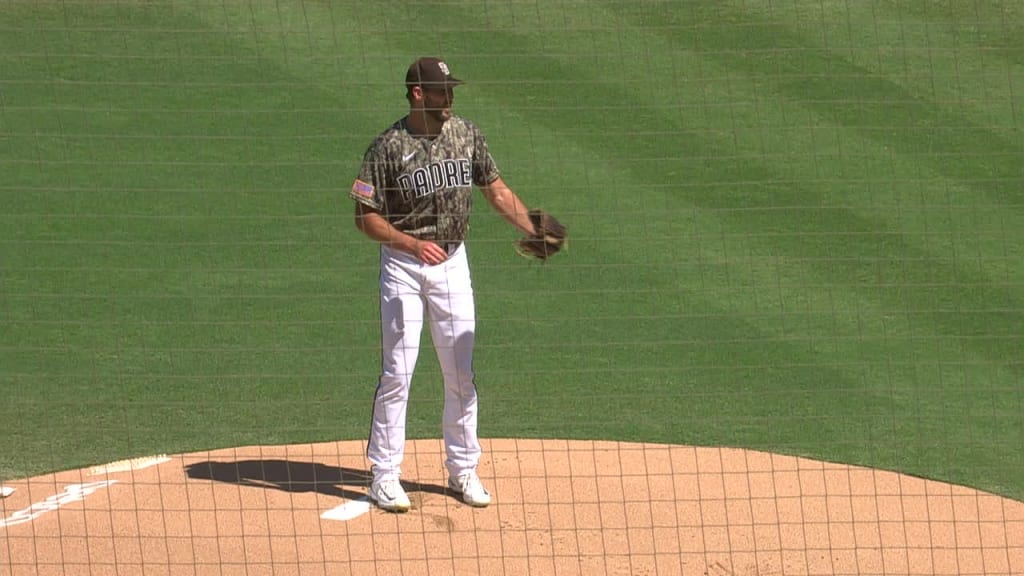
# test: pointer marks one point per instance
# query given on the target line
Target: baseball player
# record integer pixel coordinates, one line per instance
(413, 196)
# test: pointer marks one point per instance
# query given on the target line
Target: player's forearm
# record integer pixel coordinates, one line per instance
(379, 229)
(508, 204)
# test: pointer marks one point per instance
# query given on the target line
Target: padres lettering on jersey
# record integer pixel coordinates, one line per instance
(436, 176)
(424, 187)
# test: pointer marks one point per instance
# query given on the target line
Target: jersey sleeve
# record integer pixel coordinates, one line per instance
(485, 170)
(368, 189)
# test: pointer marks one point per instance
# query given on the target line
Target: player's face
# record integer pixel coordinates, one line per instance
(437, 103)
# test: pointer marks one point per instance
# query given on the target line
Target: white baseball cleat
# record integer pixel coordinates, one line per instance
(389, 495)
(472, 490)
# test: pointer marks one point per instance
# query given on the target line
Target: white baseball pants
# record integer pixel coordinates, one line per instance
(410, 293)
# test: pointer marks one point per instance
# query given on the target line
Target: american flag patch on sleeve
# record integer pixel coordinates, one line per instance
(363, 189)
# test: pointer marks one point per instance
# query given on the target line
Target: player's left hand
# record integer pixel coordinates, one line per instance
(549, 237)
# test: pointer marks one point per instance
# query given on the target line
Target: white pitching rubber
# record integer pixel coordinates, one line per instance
(349, 510)
(128, 465)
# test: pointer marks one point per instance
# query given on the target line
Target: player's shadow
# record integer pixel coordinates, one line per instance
(292, 476)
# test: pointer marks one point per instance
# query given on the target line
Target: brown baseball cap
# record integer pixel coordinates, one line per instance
(430, 72)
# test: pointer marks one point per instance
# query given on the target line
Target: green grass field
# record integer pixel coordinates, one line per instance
(797, 225)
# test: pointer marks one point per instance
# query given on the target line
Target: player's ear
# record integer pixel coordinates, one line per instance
(415, 94)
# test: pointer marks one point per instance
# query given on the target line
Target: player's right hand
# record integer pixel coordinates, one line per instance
(430, 253)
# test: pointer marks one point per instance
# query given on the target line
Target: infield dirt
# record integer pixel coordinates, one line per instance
(560, 507)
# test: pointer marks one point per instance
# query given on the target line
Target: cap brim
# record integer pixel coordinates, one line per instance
(438, 85)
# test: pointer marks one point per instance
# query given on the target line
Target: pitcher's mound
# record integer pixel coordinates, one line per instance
(559, 507)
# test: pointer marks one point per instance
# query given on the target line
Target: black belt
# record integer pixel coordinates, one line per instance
(451, 247)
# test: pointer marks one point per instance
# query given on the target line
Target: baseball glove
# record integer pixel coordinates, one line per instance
(549, 237)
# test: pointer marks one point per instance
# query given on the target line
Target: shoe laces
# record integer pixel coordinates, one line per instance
(471, 483)
(391, 488)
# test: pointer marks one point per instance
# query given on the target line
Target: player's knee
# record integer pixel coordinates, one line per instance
(461, 382)
(393, 386)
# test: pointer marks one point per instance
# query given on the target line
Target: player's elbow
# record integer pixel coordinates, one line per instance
(361, 217)
(498, 196)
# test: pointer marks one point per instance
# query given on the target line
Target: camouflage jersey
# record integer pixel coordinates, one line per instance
(424, 186)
